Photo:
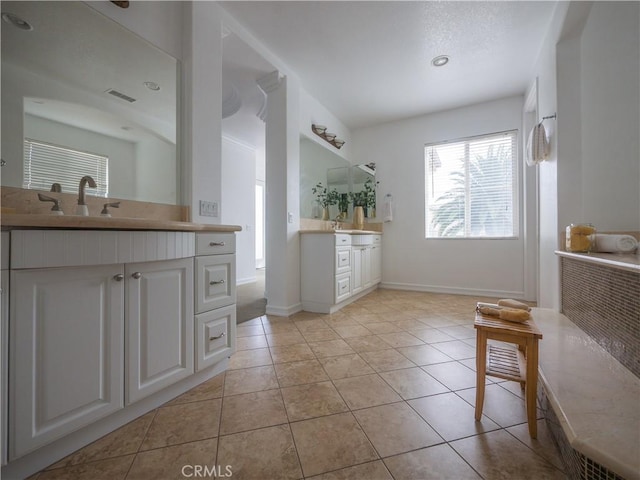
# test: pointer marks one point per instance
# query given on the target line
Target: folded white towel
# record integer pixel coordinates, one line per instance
(615, 243)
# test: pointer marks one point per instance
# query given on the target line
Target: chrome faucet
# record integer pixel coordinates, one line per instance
(336, 225)
(81, 208)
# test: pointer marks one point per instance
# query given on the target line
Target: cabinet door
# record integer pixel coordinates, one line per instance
(159, 325)
(366, 267)
(356, 272)
(66, 352)
(215, 336)
(215, 282)
(376, 264)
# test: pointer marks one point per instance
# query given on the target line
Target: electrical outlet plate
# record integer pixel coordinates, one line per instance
(208, 209)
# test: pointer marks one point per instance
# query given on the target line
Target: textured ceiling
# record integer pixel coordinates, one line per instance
(369, 62)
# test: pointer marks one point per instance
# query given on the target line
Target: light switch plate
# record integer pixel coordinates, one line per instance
(208, 209)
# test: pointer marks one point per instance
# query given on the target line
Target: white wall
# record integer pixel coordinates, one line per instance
(483, 267)
(238, 192)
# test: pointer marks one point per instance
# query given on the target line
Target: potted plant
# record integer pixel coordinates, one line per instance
(364, 201)
(325, 198)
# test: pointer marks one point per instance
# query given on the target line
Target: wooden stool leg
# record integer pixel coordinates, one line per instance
(532, 386)
(481, 368)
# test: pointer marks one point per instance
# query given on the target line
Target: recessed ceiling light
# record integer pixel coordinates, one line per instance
(16, 21)
(440, 61)
(152, 86)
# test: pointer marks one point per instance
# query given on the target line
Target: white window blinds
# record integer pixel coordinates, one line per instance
(471, 187)
(45, 163)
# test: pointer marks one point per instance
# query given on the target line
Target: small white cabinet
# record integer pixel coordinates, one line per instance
(159, 325)
(328, 286)
(66, 360)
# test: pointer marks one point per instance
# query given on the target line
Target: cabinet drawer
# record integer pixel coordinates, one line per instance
(343, 259)
(215, 282)
(377, 239)
(343, 287)
(215, 336)
(343, 239)
(215, 243)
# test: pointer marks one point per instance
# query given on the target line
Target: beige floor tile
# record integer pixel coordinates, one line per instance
(431, 335)
(312, 400)
(291, 353)
(366, 391)
(207, 390)
(125, 440)
(453, 375)
(344, 366)
(543, 445)
(255, 341)
(168, 463)
(282, 339)
(456, 349)
(351, 331)
(439, 462)
(385, 360)
(302, 316)
(460, 332)
(369, 343)
(486, 454)
(245, 330)
(401, 431)
(250, 358)
(281, 327)
(268, 453)
(366, 471)
(183, 423)
(320, 335)
(423, 354)
(298, 373)
(500, 405)
(330, 443)
(249, 380)
(413, 383)
(367, 318)
(108, 469)
(340, 320)
(252, 322)
(383, 327)
(412, 324)
(451, 417)
(400, 339)
(250, 411)
(311, 325)
(330, 348)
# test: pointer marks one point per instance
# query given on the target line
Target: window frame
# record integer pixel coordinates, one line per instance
(514, 134)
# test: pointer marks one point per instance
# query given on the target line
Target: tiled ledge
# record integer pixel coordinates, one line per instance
(593, 395)
(623, 261)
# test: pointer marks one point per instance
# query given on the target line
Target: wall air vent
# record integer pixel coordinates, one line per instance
(120, 95)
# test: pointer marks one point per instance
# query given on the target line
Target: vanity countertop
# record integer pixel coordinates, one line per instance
(345, 232)
(107, 223)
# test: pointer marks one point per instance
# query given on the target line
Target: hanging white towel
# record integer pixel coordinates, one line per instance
(615, 243)
(537, 145)
(387, 208)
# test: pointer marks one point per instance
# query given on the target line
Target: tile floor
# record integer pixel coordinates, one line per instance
(384, 389)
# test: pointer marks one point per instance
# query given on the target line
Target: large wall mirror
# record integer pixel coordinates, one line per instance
(78, 83)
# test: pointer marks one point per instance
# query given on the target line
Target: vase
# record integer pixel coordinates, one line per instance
(325, 213)
(358, 218)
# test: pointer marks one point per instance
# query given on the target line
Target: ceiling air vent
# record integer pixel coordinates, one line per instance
(120, 95)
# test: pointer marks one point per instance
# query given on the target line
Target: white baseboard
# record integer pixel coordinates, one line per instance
(244, 281)
(283, 311)
(453, 290)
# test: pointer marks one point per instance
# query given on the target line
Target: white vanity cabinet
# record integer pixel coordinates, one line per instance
(215, 278)
(334, 271)
(159, 325)
(98, 320)
(67, 351)
(4, 342)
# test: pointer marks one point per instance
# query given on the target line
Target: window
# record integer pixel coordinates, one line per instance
(45, 163)
(471, 187)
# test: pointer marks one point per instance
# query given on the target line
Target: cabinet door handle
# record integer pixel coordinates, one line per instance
(216, 282)
(216, 244)
(211, 339)
(136, 275)
(119, 277)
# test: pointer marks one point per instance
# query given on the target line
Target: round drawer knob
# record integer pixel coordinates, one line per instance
(119, 277)
(136, 275)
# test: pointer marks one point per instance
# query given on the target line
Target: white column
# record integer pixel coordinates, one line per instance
(282, 194)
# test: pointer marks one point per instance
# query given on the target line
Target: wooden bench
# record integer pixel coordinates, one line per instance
(518, 364)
